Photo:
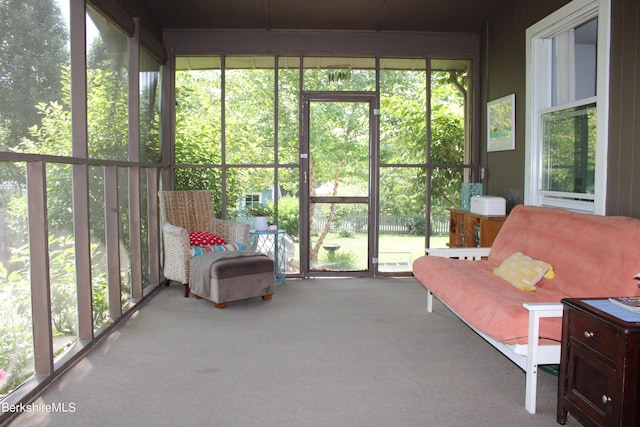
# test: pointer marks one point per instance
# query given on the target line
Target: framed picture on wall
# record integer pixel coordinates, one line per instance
(501, 115)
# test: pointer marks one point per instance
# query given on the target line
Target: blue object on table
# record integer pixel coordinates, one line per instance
(612, 309)
(469, 190)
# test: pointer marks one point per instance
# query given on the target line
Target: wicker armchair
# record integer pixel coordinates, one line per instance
(186, 211)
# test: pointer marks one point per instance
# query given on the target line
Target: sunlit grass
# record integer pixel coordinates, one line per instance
(394, 248)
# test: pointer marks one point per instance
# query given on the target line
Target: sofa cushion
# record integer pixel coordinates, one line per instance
(488, 304)
(592, 255)
(523, 272)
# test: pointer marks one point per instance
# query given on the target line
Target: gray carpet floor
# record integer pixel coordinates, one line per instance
(343, 352)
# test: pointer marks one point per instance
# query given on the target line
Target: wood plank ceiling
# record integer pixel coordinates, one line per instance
(467, 16)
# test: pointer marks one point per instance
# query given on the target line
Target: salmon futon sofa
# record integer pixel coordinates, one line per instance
(510, 293)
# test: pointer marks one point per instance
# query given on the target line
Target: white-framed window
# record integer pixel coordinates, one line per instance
(567, 107)
(252, 199)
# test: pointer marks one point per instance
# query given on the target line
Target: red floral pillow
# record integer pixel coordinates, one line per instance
(204, 238)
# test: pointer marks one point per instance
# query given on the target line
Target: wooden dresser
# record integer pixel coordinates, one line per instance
(599, 378)
(468, 229)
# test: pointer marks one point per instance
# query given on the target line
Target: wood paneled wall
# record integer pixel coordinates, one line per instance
(503, 73)
(623, 181)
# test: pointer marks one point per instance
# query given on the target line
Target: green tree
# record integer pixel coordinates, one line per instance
(249, 124)
(403, 140)
(250, 130)
(448, 103)
(339, 155)
(198, 119)
(33, 51)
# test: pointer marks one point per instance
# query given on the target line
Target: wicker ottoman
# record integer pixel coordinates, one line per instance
(232, 278)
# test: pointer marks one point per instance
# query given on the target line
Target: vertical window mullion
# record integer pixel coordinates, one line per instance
(223, 136)
(112, 217)
(154, 226)
(135, 230)
(82, 250)
(39, 262)
(80, 171)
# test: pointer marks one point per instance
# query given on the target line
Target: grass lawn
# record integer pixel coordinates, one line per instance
(393, 248)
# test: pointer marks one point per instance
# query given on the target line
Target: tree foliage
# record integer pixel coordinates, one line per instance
(198, 119)
(339, 159)
(36, 118)
(33, 51)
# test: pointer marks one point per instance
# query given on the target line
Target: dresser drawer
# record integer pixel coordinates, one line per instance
(593, 334)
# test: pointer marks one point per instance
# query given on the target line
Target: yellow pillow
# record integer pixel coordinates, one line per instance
(523, 272)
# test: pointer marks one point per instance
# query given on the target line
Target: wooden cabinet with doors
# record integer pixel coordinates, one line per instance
(467, 229)
(599, 381)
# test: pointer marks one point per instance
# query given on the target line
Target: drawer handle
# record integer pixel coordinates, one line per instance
(588, 334)
(605, 399)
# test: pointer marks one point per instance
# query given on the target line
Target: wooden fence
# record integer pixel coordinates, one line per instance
(388, 224)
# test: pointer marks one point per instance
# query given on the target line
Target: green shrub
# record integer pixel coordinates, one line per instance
(340, 260)
(347, 233)
(289, 215)
(16, 343)
(416, 225)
